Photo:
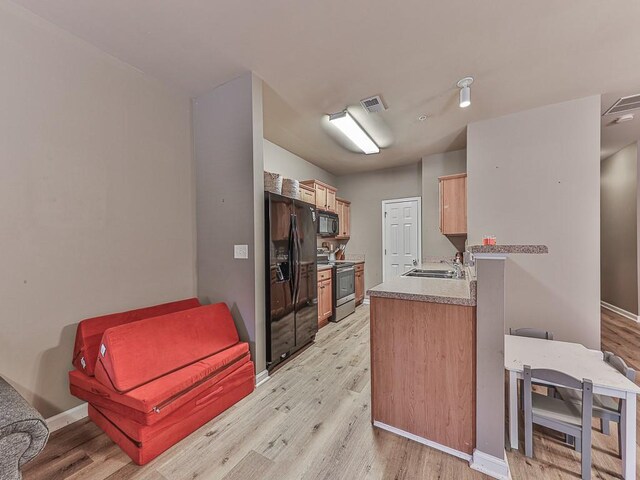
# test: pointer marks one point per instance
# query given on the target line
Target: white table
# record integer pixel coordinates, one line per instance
(579, 362)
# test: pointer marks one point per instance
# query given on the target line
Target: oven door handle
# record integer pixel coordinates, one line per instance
(348, 269)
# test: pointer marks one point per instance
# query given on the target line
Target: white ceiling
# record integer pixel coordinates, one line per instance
(318, 56)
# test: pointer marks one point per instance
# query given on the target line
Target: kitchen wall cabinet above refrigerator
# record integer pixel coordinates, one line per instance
(307, 194)
(325, 194)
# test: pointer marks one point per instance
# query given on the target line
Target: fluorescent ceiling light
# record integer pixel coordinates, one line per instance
(354, 132)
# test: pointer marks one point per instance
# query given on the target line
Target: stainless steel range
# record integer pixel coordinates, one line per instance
(344, 287)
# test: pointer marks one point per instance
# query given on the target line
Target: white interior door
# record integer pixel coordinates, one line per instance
(401, 234)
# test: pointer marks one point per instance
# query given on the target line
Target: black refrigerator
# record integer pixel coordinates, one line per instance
(291, 276)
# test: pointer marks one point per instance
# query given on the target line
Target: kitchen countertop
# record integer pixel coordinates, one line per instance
(324, 267)
(452, 291)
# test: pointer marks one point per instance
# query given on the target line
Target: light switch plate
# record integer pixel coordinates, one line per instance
(241, 251)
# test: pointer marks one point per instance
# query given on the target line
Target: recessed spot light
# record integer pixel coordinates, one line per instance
(465, 91)
(422, 117)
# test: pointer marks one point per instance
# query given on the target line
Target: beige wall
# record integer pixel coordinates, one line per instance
(227, 124)
(366, 192)
(534, 177)
(619, 224)
(434, 244)
(289, 165)
(96, 198)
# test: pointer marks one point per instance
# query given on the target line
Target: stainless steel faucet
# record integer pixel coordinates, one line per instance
(458, 269)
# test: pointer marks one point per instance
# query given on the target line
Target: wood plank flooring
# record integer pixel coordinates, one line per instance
(312, 421)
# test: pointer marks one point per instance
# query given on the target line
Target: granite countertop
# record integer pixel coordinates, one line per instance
(452, 291)
(522, 249)
(324, 267)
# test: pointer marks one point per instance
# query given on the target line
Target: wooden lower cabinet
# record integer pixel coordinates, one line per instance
(423, 370)
(325, 297)
(359, 283)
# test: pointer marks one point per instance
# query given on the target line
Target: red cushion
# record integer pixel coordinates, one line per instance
(137, 353)
(143, 444)
(150, 403)
(90, 331)
(143, 433)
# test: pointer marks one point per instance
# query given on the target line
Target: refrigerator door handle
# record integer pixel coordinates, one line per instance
(298, 266)
(291, 258)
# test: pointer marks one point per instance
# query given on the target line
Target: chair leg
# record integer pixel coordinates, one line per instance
(528, 428)
(619, 440)
(586, 454)
(528, 440)
(604, 426)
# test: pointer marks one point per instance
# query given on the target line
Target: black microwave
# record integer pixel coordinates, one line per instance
(328, 224)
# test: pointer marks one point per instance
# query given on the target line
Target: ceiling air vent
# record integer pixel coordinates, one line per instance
(624, 104)
(373, 104)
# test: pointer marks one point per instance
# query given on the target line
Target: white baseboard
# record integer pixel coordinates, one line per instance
(423, 441)
(620, 311)
(366, 301)
(489, 465)
(68, 417)
(262, 377)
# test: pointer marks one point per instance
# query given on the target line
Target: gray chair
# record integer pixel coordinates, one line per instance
(23, 432)
(607, 409)
(557, 414)
(534, 333)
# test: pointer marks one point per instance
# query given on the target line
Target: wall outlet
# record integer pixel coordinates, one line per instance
(241, 251)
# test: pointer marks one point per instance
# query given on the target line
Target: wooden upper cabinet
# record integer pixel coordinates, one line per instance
(343, 209)
(331, 200)
(453, 204)
(325, 194)
(307, 194)
(321, 196)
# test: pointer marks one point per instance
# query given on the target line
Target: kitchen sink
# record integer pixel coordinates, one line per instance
(430, 273)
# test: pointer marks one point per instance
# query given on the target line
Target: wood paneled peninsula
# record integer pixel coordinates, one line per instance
(423, 360)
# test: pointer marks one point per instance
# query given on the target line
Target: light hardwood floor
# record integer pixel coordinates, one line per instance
(312, 421)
